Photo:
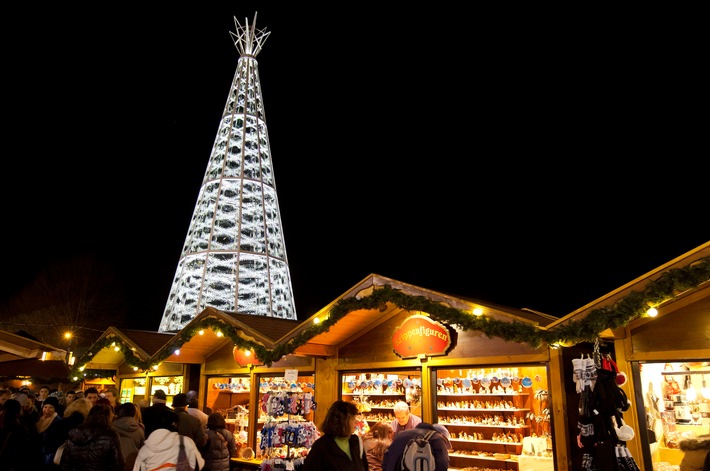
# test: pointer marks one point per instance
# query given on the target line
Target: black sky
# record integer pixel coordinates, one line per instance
(511, 156)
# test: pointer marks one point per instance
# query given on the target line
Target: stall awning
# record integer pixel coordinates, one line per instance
(32, 367)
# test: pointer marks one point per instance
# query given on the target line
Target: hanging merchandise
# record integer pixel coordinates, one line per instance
(602, 432)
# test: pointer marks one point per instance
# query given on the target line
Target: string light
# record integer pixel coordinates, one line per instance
(653, 312)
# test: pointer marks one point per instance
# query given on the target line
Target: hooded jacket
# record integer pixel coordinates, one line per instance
(92, 448)
(695, 452)
(132, 438)
(160, 451)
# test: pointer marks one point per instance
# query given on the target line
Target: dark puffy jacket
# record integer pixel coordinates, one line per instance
(219, 449)
(92, 448)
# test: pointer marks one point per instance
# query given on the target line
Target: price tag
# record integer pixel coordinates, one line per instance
(291, 375)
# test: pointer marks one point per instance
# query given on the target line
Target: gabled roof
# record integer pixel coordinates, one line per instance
(358, 322)
(141, 344)
(15, 347)
(645, 285)
(194, 346)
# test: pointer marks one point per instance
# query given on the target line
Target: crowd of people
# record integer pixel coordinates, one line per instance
(381, 449)
(92, 430)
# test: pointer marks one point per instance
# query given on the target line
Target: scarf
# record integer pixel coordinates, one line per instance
(45, 422)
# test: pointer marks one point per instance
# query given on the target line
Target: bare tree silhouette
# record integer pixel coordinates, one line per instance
(80, 295)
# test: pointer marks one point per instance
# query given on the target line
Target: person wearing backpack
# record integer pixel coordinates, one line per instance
(338, 448)
(437, 442)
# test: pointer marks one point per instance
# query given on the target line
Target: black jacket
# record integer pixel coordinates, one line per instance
(92, 448)
(325, 454)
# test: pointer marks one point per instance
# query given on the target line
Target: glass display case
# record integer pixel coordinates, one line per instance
(496, 415)
(376, 392)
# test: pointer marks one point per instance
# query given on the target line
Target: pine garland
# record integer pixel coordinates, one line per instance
(668, 286)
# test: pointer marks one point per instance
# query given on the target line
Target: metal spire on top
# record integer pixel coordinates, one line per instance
(249, 41)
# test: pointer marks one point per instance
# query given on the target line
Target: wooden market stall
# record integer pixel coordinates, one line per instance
(651, 351)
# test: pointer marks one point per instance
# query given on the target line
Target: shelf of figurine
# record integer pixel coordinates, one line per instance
(480, 406)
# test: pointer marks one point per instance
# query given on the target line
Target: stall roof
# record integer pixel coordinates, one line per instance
(639, 284)
(15, 347)
(48, 371)
(263, 330)
(142, 343)
(357, 323)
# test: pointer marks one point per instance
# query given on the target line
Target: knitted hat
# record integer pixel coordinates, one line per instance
(51, 401)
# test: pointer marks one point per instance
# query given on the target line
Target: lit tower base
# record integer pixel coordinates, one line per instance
(234, 257)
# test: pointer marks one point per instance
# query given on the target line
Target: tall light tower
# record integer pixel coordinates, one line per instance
(234, 256)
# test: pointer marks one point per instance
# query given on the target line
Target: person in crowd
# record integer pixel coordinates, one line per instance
(194, 408)
(74, 415)
(41, 396)
(94, 445)
(16, 451)
(139, 416)
(92, 394)
(60, 398)
(438, 442)
(221, 445)
(376, 441)
(152, 413)
(161, 448)
(187, 424)
(403, 418)
(129, 431)
(29, 415)
(69, 397)
(695, 452)
(338, 447)
(79, 394)
(113, 397)
(445, 433)
(5, 394)
(50, 431)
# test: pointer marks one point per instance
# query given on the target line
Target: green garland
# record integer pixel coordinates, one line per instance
(668, 286)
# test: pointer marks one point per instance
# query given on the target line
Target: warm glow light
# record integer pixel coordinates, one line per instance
(135, 368)
(316, 320)
(155, 367)
(201, 332)
(116, 348)
(219, 334)
(247, 353)
(653, 312)
(477, 311)
(67, 335)
(691, 395)
(177, 351)
(81, 368)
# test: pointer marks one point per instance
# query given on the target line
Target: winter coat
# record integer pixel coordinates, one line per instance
(160, 451)
(92, 448)
(695, 451)
(439, 448)
(131, 436)
(221, 446)
(326, 454)
(191, 427)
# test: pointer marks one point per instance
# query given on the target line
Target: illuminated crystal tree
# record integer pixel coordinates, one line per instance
(234, 257)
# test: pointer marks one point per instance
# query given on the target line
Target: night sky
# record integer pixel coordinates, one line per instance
(504, 155)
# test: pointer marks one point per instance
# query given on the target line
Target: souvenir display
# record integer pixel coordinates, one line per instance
(490, 417)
